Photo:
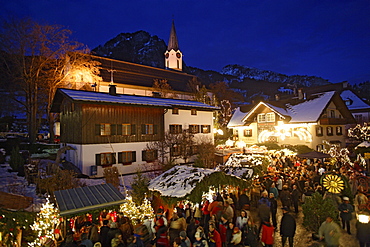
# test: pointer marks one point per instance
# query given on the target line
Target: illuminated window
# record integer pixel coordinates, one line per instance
(193, 112)
(319, 131)
(329, 131)
(149, 155)
(126, 129)
(194, 128)
(147, 129)
(126, 157)
(175, 111)
(206, 129)
(103, 129)
(175, 128)
(338, 130)
(105, 159)
(248, 132)
(261, 118)
(175, 150)
(270, 117)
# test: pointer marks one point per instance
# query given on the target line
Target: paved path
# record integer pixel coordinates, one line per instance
(303, 238)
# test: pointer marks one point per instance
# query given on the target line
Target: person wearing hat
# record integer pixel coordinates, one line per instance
(346, 210)
(287, 227)
(200, 241)
(185, 241)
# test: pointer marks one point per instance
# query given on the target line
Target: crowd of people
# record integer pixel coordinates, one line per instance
(240, 218)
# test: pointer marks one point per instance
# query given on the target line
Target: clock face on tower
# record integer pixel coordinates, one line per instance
(167, 55)
(178, 54)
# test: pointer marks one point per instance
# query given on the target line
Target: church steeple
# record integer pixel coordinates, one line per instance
(172, 41)
(173, 55)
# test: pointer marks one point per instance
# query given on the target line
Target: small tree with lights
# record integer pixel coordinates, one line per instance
(46, 224)
(134, 212)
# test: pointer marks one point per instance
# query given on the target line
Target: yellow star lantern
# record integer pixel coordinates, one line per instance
(333, 183)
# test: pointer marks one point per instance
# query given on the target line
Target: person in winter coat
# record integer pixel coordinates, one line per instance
(104, 234)
(176, 225)
(214, 236)
(287, 227)
(229, 232)
(244, 201)
(236, 239)
(274, 190)
(273, 209)
(296, 195)
(200, 240)
(285, 197)
(346, 210)
(113, 231)
(330, 232)
(205, 212)
(250, 234)
(222, 228)
(267, 234)
(241, 220)
(363, 236)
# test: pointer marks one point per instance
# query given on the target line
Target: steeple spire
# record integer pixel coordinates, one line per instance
(172, 42)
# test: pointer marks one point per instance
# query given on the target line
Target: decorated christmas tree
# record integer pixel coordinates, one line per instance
(46, 224)
(131, 210)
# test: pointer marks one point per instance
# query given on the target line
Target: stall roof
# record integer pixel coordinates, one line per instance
(87, 198)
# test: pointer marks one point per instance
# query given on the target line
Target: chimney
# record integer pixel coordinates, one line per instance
(112, 90)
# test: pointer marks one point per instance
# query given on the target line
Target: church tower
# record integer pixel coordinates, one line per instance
(173, 55)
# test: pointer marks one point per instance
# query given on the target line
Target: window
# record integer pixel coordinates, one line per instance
(193, 112)
(193, 128)
(206, 129)
(175, 111)
(175, 128)
(248, 132)
(261, 118)
(126, 129)
(338, 130)
(126, 157)
(175, 150)
(103, 129)
(270, 117)
(148, 129)
(329, 131)
(149, 155)
(105, 159)
(332, 114)
(319, 131)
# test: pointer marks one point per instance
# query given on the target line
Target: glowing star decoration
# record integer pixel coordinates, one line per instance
(46, 223)
(333, 183)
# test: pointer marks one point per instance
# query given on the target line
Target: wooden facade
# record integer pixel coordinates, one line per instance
(79, 123)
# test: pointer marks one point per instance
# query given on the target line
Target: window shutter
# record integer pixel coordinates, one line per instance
(97, 159)
(119, 157)
(97, 129)
(155, 129)
(143, 129)
(113, 129)
(114, 158)
(119, 129)
(143, 154)
(133, 129)
(133, 156)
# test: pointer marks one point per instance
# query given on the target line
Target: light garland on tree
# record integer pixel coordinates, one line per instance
(129, 209)
(45, 224)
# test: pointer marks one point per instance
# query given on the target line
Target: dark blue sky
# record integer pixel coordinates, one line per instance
(326, 38)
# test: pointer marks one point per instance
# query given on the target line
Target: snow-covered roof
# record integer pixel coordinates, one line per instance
(355, 102)
(89, 96)
(305, 112)
(310, 110)
(236, 119)
(179, 181)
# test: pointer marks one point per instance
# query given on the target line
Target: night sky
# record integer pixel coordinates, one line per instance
(326, 38)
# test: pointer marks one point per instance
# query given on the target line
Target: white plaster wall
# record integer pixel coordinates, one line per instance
(84, 157)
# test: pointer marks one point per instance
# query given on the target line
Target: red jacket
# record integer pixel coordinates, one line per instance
(215, 237)
(267, 234)
(222, 230)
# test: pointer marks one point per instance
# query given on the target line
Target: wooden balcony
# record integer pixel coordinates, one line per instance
(333, 121)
